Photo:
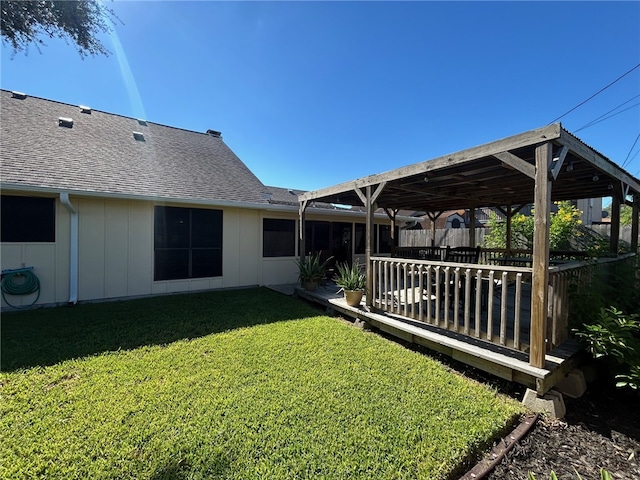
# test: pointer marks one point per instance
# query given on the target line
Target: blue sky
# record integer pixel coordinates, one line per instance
(310, 94)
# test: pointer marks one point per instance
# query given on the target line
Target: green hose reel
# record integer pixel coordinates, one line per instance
(19, 282)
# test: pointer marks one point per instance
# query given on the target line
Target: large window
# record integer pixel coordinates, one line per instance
(187, 243)
(28, 219)
(278, 237)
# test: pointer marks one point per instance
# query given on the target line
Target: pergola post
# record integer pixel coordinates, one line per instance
(614, 237)
(635, 213)
(369, 245)
(472, 224)
(540, 274)
(301, 239)
(508, 242)
(392, 217)
(433, 217)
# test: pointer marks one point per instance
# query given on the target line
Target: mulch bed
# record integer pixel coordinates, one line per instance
(601, 430)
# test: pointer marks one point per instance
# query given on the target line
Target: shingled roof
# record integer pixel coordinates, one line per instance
(99, 154)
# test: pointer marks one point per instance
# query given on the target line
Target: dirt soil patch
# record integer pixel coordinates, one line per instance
(601, 430)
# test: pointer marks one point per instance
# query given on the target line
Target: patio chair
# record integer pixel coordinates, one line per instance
(462, 254)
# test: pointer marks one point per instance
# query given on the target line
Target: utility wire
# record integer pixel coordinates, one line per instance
(607, 118)
(595, 120)
(597, 93)
(631, 150)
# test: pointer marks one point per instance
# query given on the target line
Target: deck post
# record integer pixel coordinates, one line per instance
(634, 222)
(614, 238)
(540, 274)
(472, 224)
(508, 242)
(369, 246)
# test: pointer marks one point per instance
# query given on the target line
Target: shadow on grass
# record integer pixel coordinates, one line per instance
(47, 336)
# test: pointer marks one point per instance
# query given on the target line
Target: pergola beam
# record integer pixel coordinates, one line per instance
(463, 157)
(517, 163)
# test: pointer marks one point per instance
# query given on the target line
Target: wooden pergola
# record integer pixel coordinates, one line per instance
(537, 167)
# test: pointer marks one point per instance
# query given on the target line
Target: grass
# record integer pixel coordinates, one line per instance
(237, 384)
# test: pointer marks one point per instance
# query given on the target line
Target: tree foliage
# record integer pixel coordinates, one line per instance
(566, 232)
(563, 229)
(25, 22)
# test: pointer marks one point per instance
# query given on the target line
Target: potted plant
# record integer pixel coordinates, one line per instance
(352, 281)
(311, 271)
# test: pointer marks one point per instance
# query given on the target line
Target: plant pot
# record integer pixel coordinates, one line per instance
(353, 297)
(310, 285)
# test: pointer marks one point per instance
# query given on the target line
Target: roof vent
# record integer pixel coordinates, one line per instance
(18, 95)
(214, 133)
(139, 136)
(85, 109)
(65, 122)
(142, 123)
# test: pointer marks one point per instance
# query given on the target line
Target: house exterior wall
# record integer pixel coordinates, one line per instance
(116, 251)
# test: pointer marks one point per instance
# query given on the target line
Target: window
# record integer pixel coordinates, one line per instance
(278, 237)
(361, 239)
(28, 219)
(187, 243)
(383, 239)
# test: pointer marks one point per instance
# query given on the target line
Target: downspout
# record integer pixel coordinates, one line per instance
(73, 249)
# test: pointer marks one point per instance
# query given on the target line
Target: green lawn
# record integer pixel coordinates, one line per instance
(235, 384)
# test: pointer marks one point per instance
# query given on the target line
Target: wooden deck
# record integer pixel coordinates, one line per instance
(503, 362)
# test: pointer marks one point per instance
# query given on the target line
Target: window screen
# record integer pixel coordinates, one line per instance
(278, 237)
(28, 219)
(187, 243)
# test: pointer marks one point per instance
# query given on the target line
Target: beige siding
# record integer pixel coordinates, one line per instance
(91, 247)
(116, 252)
(46, 260)
(140, 248)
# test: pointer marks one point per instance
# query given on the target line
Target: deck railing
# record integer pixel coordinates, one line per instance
(488, 302)
(484, 301)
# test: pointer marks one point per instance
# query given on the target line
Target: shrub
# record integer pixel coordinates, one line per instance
(616, 339)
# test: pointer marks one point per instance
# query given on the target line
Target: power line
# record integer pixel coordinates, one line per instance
(597, 93)
(595, 120)
(631, 150)
(607, 118)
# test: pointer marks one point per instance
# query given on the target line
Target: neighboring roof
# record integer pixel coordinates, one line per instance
(496, 174)
(283, 196)
(99, 154)
(289, 196)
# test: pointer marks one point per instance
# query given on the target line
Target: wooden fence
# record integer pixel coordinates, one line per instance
(459, 237)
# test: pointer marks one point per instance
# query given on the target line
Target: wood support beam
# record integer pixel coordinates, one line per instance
(369, 244)
(472, 224)
(301, 220)
(540, 274)
(433, 216)
(558, 161)
(614, 237)
(517, 163)
(392, 217)
(361, 196)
